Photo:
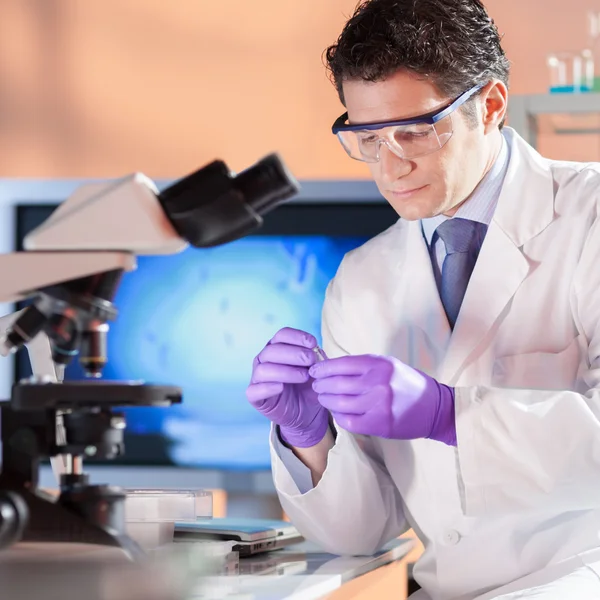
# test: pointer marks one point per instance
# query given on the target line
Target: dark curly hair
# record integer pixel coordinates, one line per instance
(453, 42)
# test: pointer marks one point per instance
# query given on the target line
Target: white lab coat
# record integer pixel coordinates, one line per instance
(519, 499)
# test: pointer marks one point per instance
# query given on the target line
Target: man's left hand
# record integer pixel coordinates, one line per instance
(383, 397)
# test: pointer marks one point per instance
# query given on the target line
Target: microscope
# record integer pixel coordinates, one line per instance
(70, 271)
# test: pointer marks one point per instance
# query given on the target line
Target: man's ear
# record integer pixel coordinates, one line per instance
(494, 102)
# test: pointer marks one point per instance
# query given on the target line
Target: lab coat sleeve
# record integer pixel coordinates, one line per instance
(298, 471)
(521, 449)
(356, 507)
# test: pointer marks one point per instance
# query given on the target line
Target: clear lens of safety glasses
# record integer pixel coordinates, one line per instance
(406, 141)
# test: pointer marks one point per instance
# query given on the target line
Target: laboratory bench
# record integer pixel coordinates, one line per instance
(390, 573)
(299, 572)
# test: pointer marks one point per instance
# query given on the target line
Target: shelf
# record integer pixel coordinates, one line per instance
(558, 103)
(568, 124)
(560, 114)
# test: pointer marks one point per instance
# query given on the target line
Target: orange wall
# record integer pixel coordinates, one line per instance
(102, 87)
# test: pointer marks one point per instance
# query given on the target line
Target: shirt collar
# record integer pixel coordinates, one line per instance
(482, 203)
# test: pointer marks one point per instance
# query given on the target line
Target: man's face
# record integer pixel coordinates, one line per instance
(429, 185)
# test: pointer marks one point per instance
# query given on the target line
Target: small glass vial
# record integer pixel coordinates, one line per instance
(319, 352)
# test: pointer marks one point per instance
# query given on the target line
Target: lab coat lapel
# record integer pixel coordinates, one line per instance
(525, 208)
(424, 331)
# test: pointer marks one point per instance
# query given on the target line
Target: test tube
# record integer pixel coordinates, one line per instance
(319, 352)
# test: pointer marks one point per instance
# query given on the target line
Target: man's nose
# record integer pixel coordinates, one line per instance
(391, 166)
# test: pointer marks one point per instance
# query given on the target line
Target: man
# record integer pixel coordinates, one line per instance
(469, 413)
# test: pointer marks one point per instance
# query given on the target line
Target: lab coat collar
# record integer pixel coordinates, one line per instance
(525, 208)
(526, 204)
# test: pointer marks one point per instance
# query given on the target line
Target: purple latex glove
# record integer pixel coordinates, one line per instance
(281, 388)
(383, 397)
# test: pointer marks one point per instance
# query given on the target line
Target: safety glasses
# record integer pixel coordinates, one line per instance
(407, 138)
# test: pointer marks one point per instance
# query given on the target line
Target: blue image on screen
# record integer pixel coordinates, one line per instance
(197, 319)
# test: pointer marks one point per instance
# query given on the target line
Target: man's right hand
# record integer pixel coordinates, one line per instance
(281, 388)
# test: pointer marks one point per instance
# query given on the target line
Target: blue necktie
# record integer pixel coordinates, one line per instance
(463, 239)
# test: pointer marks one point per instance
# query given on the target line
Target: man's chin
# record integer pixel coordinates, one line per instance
(414, 209)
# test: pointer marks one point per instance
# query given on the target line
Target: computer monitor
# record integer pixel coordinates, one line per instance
(197, 319)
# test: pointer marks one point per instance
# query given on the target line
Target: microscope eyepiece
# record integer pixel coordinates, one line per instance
(266, 184)
(212, 206)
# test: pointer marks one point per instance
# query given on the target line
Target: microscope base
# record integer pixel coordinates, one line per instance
(51, 521)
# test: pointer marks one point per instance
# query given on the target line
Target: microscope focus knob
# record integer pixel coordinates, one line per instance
(14, 516)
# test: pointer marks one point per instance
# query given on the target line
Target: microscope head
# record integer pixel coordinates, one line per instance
(74, 261)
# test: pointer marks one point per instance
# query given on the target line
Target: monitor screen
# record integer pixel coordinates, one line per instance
(198, 318)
